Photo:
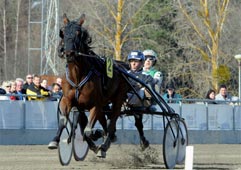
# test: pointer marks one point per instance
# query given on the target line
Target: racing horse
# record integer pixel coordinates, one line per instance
(83, 86)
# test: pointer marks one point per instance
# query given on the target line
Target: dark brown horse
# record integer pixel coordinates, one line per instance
(83, 86)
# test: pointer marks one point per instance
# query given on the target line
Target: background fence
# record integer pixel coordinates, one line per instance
(37, 119)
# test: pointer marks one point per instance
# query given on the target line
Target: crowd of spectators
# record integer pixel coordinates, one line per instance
(32, 88)
(222, 97)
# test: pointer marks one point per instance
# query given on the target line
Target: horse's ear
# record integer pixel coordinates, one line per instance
(65, 18)
(82, 19)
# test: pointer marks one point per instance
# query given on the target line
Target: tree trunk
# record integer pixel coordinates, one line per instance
(16, 40)
(4, 41)
(118, 31)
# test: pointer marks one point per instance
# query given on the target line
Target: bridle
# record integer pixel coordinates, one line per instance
(74, 34)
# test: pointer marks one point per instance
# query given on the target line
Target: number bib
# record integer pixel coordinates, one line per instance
(109, 67)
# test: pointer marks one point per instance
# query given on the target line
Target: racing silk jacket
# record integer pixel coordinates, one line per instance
(151, 72)
(34, 90)
(155, 74)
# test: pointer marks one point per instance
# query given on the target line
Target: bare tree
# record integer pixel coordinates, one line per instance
(114, 24)
(209, 48)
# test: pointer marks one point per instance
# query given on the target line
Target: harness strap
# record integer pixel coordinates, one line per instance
(81, 83)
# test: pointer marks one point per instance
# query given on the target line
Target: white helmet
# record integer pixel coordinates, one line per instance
(152, 54)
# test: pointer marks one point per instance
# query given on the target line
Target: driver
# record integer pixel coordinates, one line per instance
(150, 61)
(136, 60)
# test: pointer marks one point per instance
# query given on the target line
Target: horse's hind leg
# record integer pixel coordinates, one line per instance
(139, 125)
(88, 129)
(102, 149)
(111, 125)
(113, 137)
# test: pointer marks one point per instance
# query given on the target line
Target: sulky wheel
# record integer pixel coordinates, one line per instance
(65, 145)
(80, 147)
(183, 141)
(170, 144)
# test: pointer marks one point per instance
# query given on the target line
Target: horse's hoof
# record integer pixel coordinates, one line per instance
(96, 134)
(144, 144)
(113, 138)
(53, 145)
(101, 154)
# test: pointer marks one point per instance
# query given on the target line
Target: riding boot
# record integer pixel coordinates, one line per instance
(55, 142)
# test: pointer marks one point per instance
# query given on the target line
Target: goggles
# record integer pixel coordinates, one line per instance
(151, 58)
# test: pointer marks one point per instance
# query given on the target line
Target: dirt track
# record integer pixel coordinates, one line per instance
(38, 157)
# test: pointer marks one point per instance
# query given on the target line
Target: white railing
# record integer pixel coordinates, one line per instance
(42, 115)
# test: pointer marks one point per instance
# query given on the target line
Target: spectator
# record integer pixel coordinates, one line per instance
(29, 80)
(136, 59)
(171, 96)
(6, 85)
(13, 90)
(36, 89)
(44, 83)
(150, 61)
(59, 81)
(211, 96)
(56, 92)
(223, 94)
(19, 88)
(2, 91)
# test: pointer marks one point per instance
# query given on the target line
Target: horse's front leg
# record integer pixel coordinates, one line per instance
(83, 120)
(88, 129)
(64, 109)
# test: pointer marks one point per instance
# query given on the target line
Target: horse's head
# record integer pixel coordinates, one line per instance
(75, 39)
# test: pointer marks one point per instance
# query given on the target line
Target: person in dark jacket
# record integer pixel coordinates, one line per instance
(2, 91)
(136, 60)
(29, 80)
(171, 96)
(35, 89)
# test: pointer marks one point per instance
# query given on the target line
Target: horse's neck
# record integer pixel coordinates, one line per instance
(79, 68)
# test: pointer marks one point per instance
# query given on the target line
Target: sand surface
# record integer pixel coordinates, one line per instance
(38, 157)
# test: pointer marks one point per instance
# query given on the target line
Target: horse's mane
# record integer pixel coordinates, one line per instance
(100, 62)
(86, 38)
(95, 58)
(86, 41)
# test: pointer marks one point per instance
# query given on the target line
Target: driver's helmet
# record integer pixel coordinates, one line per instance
(152, 54)
(136, 55)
